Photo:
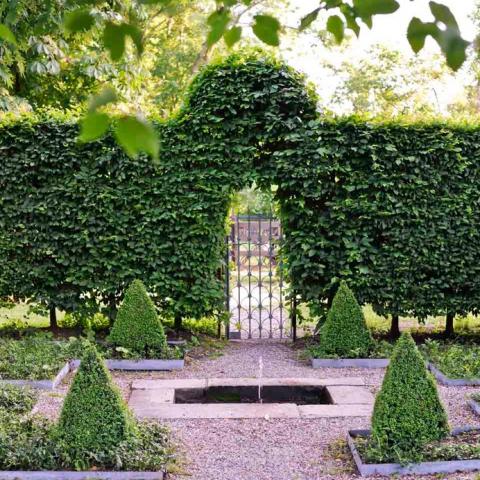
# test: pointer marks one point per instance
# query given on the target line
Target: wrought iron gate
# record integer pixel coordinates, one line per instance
(255, 284)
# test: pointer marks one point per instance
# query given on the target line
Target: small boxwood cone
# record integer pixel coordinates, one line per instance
(345, 332)
(94, 419)
(408, 412)
(137, 326)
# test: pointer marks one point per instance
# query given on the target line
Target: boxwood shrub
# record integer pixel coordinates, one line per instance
(345, 332)
(408, 413)
(137, 326)
(94, 419)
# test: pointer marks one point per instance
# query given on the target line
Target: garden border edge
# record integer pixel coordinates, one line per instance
(139, 365)
(42, 384)
(452, 382)
(74, 475)
(350, 362)
(422, 468)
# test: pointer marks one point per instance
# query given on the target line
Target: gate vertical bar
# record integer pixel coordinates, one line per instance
(260, 320)
(270, 273)
(280, 280)
(294, 316)
(227, 283)
(249, 255)
(239, 280)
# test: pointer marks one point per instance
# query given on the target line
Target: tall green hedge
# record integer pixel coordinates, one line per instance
(80, 222)
(393, 209)
(390, 208)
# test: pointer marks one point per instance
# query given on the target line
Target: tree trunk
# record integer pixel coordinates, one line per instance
(449, 330)
(53, 319)
(178, 323)
(395, 327)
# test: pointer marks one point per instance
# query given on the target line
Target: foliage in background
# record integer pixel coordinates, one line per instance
(408, 413)
(137, 326)
(386, 83)
(16, 400)
(345, 333)
(94, 420)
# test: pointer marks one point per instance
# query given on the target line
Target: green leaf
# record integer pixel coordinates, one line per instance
(443, 14)
(93, 126)
(114, 38)
(232, 36)
(79, 20)
(218, 22)
(418, 31)
(367, 8)
(136, 135)
(267, 28)
(454, 47)
(7, 35)
(336, 26)
(106, 96)
(308, 19)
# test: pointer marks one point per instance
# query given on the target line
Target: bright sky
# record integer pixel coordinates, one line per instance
(306, 53)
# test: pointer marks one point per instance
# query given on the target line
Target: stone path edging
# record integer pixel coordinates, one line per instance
(474, 405)
(140, 365)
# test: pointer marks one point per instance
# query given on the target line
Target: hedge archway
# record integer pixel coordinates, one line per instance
(391, 208)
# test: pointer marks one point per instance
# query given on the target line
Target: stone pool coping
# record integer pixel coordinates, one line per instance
(422, 468)
(154, 399)
(350, 362)
(71, 475)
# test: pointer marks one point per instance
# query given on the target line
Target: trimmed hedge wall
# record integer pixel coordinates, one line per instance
(82, 221)
(392, 209)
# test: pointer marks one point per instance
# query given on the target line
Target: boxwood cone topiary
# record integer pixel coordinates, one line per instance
(94, 418)
(345, 332)
(408, 412)
(137, 326)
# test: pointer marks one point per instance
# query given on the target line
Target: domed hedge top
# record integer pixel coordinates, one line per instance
(137, 326)
(345, 331)
(408, 412)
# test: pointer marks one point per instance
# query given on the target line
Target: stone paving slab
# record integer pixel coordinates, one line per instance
(215, 410)
(224, 382)
(147, 398)
(169, 383)
(347, 395)
(330, 411)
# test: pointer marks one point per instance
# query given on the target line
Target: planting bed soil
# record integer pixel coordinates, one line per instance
(458, 453)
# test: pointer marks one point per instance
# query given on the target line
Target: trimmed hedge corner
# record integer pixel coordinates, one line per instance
(137, 326)
(345, 330)
(94, 418)
(408, 412)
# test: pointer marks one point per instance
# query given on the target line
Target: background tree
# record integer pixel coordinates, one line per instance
(387, 83)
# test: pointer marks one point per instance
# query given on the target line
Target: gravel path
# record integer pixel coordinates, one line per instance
(275, 449)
